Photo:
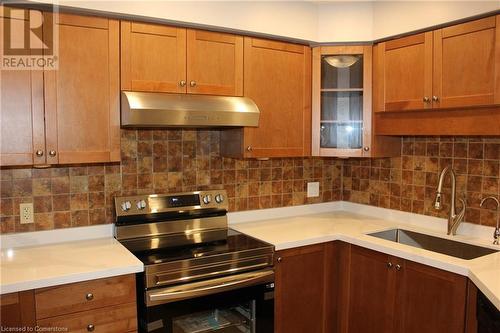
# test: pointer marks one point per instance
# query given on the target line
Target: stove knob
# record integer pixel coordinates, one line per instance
(141, 204)
(126, 205)
(207, 199)
(219, 198)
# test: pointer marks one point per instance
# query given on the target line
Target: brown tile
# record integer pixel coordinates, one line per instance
(42, 186)
(60, 185)
(79, 201)
(61, 202)
(79, 218)
(42, 204)
(97, 216)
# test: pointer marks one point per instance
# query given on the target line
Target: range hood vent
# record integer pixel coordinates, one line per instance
(146, 109)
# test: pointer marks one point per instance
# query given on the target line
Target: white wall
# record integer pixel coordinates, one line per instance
(395, 17)
(321, 21)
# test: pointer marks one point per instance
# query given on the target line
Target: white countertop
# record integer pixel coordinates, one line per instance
(25, 268)
(342, 224)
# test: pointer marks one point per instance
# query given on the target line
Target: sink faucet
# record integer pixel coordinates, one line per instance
(496, 233)
(454, 219)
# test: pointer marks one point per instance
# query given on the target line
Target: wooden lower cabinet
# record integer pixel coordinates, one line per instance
(390, 294)
(301, 286)
(104, 305)
(17, 310)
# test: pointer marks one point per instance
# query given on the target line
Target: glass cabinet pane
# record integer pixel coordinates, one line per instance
(341, 101)
(342, 135)
(333, 76)
(339, 105)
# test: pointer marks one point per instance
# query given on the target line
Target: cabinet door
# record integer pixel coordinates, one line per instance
(371, 292)
(300, 290)
(82, 106)
(467, 64)
(277, 76)
(430, 300)
(153, 58)
(406, 67)
(17, 310)
(214, 63)
(21, 117)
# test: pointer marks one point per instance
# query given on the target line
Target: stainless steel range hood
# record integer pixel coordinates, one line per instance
(145, 109)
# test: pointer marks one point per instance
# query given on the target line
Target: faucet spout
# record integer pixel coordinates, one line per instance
(454, 219)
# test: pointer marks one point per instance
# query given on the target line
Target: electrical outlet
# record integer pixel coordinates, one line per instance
(26, 212)
(313, 189)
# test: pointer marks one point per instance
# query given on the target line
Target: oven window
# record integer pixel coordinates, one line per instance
(237, 319)
(245, 310)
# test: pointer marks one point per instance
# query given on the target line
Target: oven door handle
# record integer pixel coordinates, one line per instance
(208, 287)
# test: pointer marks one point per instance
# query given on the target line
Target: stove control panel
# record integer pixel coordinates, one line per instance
(158, 203)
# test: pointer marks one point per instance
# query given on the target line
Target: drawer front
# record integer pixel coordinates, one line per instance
(114, 319)
(82, 296)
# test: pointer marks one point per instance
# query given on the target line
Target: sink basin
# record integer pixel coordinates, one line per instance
(435, 244)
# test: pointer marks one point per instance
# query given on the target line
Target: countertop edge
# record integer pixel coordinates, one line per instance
(72, 278)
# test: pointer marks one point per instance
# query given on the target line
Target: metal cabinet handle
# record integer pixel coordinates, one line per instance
(89, 296)
(90, 328)
(366, 148)
(249, 148)
(389, 265)
(192, 83)
(435, 98)
(39, 153)
(52, 153)
(279, 259)
(182, 83)
(426, 99)
(398, 267)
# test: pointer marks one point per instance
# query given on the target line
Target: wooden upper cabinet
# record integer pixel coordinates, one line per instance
(277, 77)
(21, 117)
(453, 67)
(153, 57)
(160, 58)
(467, 64)
(82, 110)
(214, 63)
(404, 70)
(300, 289)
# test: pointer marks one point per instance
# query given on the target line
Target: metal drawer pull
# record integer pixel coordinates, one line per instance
(389, 265)
(90, 328)
(398, 267)
(89, 296)
(209, 287)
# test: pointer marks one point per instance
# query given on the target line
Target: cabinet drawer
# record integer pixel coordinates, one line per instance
(113, 319)
(75, 297)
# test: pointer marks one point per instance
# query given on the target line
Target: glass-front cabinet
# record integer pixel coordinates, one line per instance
(342, 106)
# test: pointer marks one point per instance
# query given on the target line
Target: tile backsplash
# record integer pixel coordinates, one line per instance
(184, 160)
(409, 182)
(159, 161)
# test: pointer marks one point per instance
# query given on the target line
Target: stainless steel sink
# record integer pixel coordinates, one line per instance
(435, 244)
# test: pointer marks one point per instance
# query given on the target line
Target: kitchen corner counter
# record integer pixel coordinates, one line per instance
(31, 267)
(351, 222)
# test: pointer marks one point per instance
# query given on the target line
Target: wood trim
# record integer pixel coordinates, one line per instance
(367, 102)
(125, 55)
(378, 77)
(477, 121)
(347, 49)
(471, 310)
(316, 100)
(307, 113)
(496, 98)
(28, 310)
(82, 21)
(406, 41)
(468, 27)
(50, 103)
(114, 91)
(85, 157)
(437, 77)
(428, 44)
(38, 116)
(153, 29)
(275, 45)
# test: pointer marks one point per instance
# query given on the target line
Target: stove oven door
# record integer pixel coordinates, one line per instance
(242, 303)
